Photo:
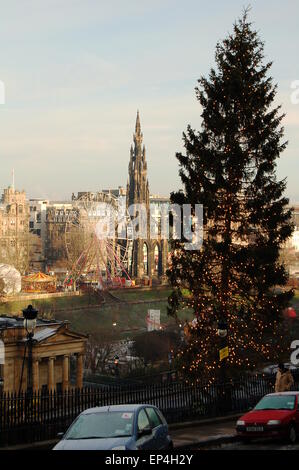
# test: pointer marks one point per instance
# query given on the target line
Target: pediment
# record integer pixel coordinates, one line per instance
(60, 335)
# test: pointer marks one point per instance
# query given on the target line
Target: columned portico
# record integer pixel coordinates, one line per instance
(53, 346)
(35, 375)
(79, 380)
(66, 373)
(51, 382)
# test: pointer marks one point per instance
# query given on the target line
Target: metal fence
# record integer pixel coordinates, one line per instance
(30, 418)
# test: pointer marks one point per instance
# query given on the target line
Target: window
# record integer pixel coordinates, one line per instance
(145, 259)
(156, 258)
(155, 420)
(107, 425)
(143, 421)
(276, 402)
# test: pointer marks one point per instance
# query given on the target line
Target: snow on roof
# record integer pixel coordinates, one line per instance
(44, 333)
(8, 321)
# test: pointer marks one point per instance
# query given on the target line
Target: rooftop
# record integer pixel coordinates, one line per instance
(9, 321)
(111, 408)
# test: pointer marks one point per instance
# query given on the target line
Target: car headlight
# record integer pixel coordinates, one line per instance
(273, 422)
(240, 423)
(119, 448)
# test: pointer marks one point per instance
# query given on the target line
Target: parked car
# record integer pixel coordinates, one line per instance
(118, 427)
(275, 416)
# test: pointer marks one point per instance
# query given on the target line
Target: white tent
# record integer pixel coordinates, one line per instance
(10, 280)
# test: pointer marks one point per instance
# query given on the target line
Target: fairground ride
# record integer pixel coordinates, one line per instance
(98, 243)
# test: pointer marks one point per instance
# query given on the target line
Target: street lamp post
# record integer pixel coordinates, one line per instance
(222, 333)
(116, 364)
(223, 354)
(29, 315)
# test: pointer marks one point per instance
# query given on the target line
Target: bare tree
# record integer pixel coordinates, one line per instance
(98, 355)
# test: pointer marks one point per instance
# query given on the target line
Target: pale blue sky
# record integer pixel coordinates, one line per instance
(77, 70)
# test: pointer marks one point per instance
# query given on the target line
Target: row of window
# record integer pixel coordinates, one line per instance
(13, 222)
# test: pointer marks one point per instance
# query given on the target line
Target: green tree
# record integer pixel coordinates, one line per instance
(230, 168)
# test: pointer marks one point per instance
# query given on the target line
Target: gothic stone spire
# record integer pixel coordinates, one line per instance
(138, 184)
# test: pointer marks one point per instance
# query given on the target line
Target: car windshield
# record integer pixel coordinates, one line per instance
(102, 425)
(276, 402)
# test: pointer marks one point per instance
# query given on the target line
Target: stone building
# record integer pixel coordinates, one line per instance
(54, 346)
(14, 229)
(290, 250)
(294, 241)
(57, 216)
(37, 227)
(148, 257)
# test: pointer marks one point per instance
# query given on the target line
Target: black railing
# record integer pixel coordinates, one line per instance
(29, 418)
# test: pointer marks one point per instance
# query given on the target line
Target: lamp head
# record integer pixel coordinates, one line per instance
(116, 359)
(222, 329)
(30, 315)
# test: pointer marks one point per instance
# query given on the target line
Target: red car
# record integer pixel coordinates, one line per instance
(276, 415)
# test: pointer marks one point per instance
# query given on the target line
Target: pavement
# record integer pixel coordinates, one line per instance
(257, 445)
(189, 434)
(204, 433)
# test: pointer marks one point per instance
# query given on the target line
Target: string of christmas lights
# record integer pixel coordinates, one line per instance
(229, 167)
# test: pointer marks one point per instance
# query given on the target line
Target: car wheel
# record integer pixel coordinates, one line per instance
(292, 435)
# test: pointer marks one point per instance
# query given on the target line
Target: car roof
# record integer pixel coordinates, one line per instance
(124, 408)
(282, 393)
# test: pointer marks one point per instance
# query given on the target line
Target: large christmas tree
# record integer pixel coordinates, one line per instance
(230, 168)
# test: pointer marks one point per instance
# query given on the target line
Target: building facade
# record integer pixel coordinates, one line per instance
(58, 215)
(54, 347)
(37, 227)
(14, 229)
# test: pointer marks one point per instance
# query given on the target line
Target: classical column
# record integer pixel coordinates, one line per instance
(51, 384)
(35, 375)
(79, 382)
(65, 373)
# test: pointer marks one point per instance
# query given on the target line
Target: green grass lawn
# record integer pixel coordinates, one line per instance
(136, 294)
(98, 320)
(48, 305)
(53, 304)
(129, 319)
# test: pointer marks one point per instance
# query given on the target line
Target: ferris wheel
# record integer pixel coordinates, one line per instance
(98, 241)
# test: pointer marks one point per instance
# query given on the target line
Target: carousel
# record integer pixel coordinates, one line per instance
(38, 282)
